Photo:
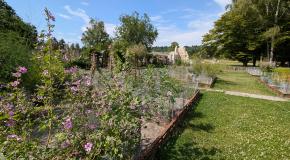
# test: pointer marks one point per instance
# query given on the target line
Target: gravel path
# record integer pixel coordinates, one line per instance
(257, 96)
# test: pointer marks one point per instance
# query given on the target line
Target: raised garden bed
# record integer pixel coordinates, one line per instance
(166, 131)
(254, 71)
(281, 92)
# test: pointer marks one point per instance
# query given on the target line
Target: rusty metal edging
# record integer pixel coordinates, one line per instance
(150, 151)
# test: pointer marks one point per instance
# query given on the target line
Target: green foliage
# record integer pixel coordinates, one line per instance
(13, 53)
(136, 29)
(10, 22)
(248, 27)
(202, 68)
(173, 46)
(73, 115)
(244, 58)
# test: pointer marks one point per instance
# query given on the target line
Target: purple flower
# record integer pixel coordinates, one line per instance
(71, 70)
(67, 124)
(15, 83)
(11, 113)
(45, 72)
(49, 14)
(17, 74)
(10, 122)
(9, 106)
(88, 147)
(14, 136)
(22, 70)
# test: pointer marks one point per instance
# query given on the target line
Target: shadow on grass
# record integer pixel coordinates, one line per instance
(190, 149)
(224, 82)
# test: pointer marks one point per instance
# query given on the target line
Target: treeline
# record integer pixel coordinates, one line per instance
(17, 40)
(251, 30)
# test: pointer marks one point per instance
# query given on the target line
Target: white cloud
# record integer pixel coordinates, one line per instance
(85, 3)
(78, 13)
(155, 18)
(110, 29)
(200, 24)
(222, 3)
(64, 16)
(192, 35)
(168, 34)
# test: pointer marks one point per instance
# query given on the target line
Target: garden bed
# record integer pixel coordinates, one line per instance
(275, 89)
(166, 131)
(254, 71)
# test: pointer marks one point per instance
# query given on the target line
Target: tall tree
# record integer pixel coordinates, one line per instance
(97, 41)
(136, 29)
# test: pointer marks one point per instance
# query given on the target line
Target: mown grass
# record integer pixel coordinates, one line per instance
(230, 127)
(242, 82)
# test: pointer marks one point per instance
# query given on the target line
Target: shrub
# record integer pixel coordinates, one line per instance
(13, 53)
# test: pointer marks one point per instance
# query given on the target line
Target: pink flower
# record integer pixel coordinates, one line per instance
(74, 89)
(67, 124)
(14, 136)
(92, 126)
(88, 81)
(88, 147)
(17, 74)
(15, 83)
(22, 70)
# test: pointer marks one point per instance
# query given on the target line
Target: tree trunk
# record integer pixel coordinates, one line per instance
(273, 36)
(272, 50)
(254, 60)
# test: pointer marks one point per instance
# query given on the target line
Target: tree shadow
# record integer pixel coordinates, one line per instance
(225, 82)
(201, 127)
(189, 150)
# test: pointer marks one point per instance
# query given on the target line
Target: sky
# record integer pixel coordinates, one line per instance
(183, 21)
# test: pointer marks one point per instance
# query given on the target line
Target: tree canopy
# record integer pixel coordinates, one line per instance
(136, 29)
(249, 29)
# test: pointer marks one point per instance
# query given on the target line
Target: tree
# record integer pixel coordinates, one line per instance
(248, 28)
(61, 44)
(11, 22)
(17, 40)
(96, 40)
(136, 29)
(135, 53)
(174, 45)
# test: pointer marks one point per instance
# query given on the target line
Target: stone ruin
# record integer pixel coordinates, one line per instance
(179, 53)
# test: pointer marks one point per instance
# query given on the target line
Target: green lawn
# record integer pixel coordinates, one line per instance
(230, 127)
(241, 82)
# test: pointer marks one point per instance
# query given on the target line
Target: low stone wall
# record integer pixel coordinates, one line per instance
(149, 152)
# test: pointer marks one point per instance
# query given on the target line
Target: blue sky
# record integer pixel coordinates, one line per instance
(184, 21)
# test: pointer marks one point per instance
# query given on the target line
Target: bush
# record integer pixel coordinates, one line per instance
(207, 69)
(13, 53)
